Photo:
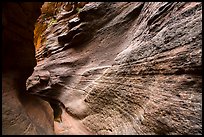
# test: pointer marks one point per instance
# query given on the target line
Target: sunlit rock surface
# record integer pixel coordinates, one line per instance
(122, 67)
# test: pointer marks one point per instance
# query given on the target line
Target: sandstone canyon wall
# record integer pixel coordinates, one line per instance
(120, 67)
(21, 113)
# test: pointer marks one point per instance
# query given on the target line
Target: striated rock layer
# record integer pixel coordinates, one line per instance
(123, 67)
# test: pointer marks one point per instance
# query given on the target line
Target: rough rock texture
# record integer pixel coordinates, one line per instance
(124, 68)
(21, 112)
(49, 24)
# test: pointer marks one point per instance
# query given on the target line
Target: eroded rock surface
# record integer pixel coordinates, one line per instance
(124, 68)
(22, 113)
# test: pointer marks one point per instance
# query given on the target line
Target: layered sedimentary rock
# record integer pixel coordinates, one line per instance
(123, 68)
(21, 112)
(116, 68)
(49, 26)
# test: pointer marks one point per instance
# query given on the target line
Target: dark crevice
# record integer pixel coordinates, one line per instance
(162, 11)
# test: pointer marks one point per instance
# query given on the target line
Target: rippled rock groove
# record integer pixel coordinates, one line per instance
(108, 67)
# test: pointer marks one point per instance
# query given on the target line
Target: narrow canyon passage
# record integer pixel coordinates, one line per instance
(100, 68)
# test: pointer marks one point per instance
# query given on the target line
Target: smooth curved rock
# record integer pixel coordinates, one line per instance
(22, 113)
(138, 73)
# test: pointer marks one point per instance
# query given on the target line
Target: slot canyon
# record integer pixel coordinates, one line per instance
(102, 68)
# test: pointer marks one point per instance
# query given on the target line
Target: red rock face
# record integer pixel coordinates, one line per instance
(124, 68)
(21, 113)
(117, 68)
